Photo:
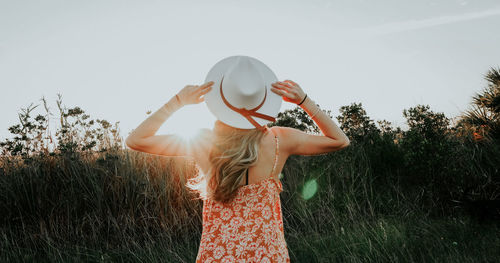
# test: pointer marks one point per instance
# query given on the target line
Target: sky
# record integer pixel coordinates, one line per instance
(117, 60)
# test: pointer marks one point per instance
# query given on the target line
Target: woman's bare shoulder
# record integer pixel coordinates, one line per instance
(285, 137)
(285, 132)
(277, 130)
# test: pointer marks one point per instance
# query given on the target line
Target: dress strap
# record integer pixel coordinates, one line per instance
(276, 153)
(247, 177)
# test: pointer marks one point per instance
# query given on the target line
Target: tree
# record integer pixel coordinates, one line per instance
(299, 119)
(425, 122)
(483, 119)
(355, 123)
(425, 145)
(429, 156)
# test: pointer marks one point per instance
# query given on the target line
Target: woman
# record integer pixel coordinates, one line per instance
(241, 158)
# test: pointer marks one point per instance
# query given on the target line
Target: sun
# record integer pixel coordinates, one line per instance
(188, 130)
(189, 122)
(189, 134)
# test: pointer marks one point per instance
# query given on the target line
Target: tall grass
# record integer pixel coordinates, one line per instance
(366, 203)
(131, 206)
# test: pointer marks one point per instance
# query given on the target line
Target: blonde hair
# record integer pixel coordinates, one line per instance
(233, 152)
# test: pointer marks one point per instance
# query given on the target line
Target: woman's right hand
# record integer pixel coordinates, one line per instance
(289, 90)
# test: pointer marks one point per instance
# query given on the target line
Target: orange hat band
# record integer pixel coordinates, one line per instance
(248, 113)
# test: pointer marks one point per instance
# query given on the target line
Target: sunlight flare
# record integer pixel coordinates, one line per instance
(310, 189)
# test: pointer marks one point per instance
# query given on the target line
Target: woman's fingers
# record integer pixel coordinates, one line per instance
(201, 87)
(281, 85)
(203, 92)
(278, 91)
(288, 84)
(287, 80)
(204, 88)
(281, 92)
(193, 93)
(208, 84)
(292, 91)
(291, 86)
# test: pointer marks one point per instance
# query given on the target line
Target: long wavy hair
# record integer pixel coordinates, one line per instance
(233, 152)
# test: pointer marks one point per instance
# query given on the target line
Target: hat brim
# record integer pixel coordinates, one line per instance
(271, 106)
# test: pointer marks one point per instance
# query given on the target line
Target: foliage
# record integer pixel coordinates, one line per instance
(430, 151)
(355, 122)
(379, 144)
(30, 134)
(425, 143)
(77, 134)
(299, 119)
(483, 119)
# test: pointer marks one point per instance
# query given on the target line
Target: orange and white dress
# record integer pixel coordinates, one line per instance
(249, 229)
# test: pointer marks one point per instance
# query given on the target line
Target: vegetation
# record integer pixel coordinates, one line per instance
(426, 194)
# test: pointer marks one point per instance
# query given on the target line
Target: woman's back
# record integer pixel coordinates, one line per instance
(270, 160)
(251, 226)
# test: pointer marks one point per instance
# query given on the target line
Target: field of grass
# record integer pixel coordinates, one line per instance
(133, 207)
(427, 194)
(384, 240)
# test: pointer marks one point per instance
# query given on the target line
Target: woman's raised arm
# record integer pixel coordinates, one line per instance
(299, 142)
(143, 137)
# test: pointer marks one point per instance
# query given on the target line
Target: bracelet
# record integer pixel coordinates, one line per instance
(315, 113)
(302, 100)
(178, 99)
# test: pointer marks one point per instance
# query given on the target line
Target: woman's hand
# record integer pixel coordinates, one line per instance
(191, 94)
(289, 90)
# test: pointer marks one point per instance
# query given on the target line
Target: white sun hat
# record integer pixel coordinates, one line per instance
(241, 95)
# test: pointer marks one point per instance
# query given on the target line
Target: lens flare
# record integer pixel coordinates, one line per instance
(309, 190)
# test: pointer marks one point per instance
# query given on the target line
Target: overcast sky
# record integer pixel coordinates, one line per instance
(118, 59)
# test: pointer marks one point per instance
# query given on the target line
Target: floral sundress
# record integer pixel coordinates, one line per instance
(249, 229)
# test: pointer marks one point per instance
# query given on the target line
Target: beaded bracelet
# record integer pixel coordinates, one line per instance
(302, 100)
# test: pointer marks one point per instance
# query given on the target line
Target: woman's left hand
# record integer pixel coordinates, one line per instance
(192, 94)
